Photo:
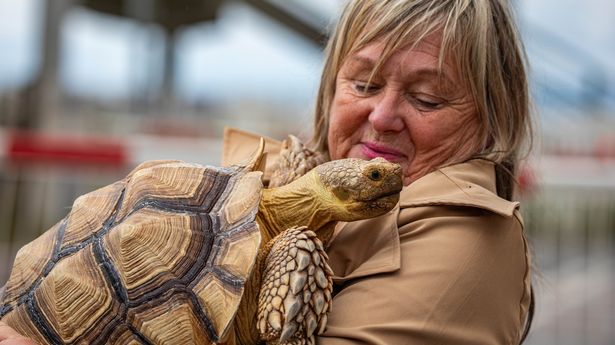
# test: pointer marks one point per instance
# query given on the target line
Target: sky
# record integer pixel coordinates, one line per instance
(246, 55)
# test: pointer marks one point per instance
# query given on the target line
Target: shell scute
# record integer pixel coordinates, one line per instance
(237, 253)
(90, 212)
(75, 293)
(218, 301)
(30, 263)
(173, 185)
(244, 198)
(151, 247)
(170, 322)
(122, 335)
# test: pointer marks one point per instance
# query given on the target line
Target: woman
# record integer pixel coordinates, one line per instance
(440, 88)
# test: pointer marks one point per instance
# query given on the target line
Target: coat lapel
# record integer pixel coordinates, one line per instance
(364, 248)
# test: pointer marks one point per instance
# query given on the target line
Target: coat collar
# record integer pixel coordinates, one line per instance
(469, 184)
(372, 246)
(238, 146)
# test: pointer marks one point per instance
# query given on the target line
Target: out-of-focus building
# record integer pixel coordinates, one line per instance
(165, 67)
(90, 88)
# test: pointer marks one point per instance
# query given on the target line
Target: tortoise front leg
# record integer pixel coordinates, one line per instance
(295, 294)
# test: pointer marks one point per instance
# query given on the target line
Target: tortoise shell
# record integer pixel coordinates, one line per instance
(161, 256)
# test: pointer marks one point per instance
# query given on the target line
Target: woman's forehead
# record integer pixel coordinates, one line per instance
(419, 58)
(429, 43)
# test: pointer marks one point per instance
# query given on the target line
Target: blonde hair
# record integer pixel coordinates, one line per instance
(482, 39)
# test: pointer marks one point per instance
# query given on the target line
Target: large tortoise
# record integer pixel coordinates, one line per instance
(180, 253)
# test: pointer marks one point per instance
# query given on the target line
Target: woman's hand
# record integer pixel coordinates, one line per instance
(8, 336)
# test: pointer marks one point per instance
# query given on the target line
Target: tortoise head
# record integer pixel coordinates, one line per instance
(358, 189)
(342, 190)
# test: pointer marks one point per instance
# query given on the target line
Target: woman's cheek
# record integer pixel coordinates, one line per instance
(347, 121)
(337, 138)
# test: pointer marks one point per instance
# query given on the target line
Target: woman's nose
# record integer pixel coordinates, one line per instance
(386, 113)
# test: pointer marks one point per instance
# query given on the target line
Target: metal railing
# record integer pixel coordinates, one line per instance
(572, 232)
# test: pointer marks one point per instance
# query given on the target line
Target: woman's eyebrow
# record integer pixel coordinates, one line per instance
(428, 73)
(362, 61)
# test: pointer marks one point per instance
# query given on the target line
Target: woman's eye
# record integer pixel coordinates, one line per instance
(365, 87)
(428, 103)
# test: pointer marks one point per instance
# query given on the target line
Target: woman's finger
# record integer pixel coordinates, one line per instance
(9, 336)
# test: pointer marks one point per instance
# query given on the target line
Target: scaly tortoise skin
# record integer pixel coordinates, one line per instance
(180, 253)
(294, 161)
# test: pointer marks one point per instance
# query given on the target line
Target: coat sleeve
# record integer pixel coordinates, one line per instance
(462, 280)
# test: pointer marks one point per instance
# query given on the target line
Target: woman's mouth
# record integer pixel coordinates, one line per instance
(372, 150)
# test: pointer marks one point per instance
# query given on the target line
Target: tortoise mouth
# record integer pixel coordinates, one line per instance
(381, 196)
(377, 197)
(382, 204)
(391, 198)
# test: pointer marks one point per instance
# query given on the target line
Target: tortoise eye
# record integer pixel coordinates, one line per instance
(375, 175)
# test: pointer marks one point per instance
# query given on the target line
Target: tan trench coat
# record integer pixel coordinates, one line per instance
(449, 265)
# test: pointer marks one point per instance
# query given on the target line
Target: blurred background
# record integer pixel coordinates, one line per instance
(90, 88)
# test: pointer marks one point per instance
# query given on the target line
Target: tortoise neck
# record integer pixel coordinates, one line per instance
(296, 204)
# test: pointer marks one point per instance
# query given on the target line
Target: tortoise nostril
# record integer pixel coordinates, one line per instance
(375, 175)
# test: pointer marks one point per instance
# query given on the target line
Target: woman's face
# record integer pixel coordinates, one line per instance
(410, 114)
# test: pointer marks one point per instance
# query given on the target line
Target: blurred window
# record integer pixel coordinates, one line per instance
(245, 55)
(20, 22)
(110, 58)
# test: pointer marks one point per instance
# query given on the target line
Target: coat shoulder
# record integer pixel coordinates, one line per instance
(470, 184)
